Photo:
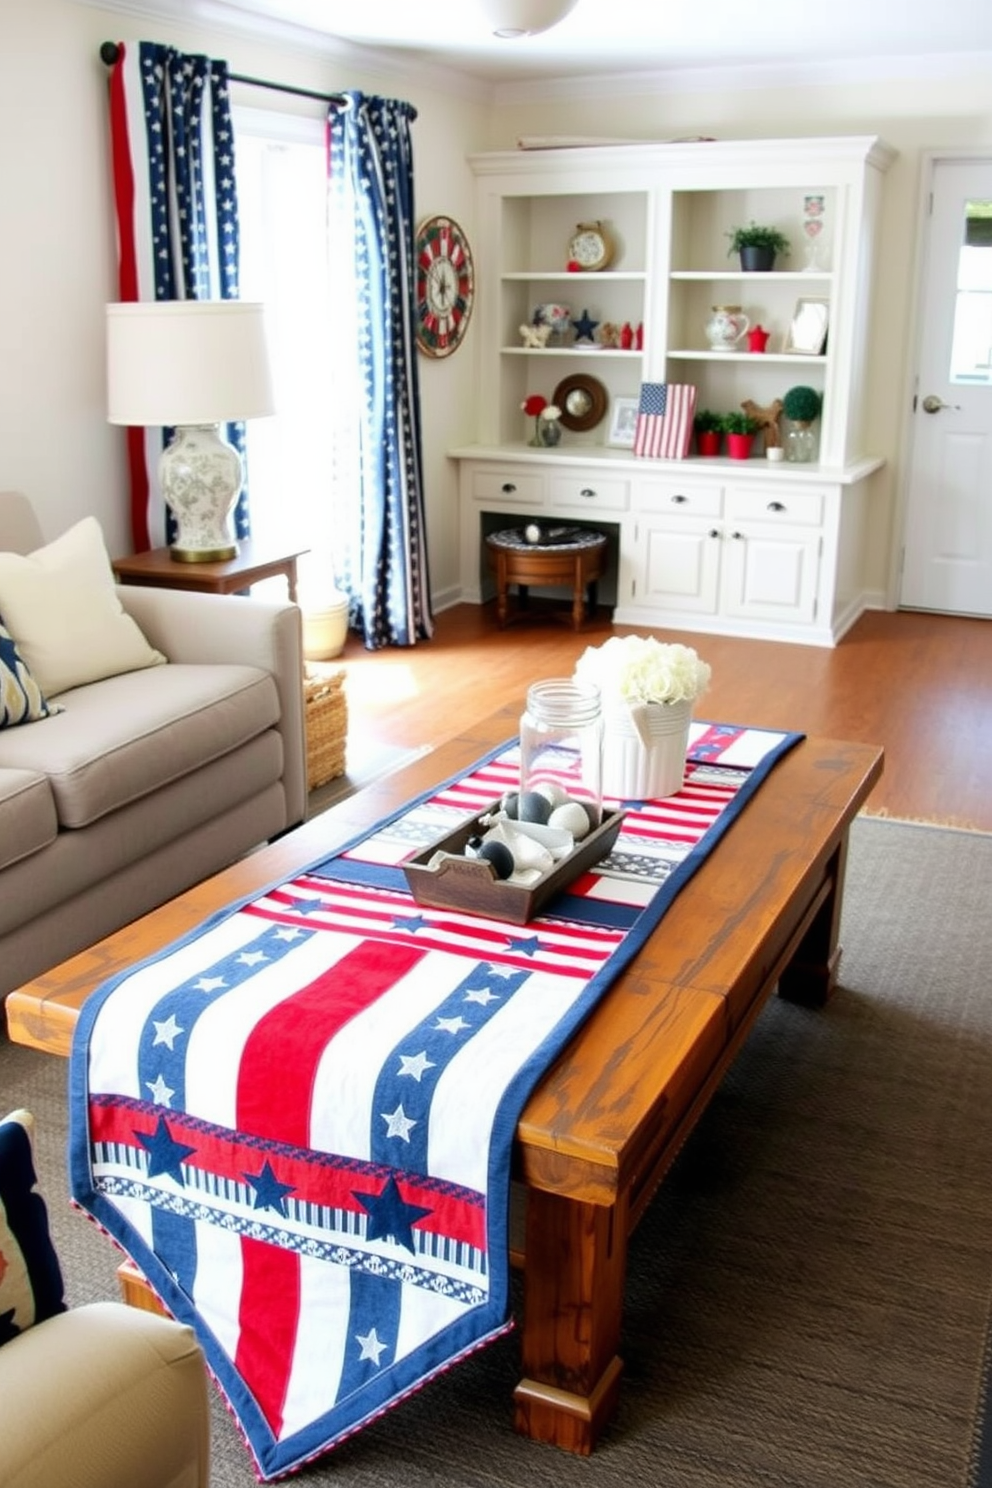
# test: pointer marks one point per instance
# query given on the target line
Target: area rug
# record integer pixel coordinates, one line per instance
(808, 1295)
(298, 1119)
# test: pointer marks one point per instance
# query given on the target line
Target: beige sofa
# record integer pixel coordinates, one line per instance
(146, 782)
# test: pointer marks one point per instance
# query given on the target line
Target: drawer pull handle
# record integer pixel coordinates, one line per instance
(587, 492)
(714, 532)
(679, 499)
(738, 536)
(508, 488)
(776, 506)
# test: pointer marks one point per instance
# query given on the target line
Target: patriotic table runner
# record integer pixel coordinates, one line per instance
(297, 1120)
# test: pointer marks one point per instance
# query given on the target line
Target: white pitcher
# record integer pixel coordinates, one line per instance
(726, 327)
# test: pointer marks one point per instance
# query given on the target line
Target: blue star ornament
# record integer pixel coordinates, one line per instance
(165, 1154)
(269, 1192)
(584, 327)
(390, 1216)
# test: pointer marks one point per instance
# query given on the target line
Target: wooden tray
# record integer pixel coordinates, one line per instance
(470, 884)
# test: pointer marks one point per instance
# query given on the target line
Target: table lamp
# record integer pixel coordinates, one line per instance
(191, 365)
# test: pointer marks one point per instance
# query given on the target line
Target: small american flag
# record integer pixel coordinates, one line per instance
(664, 420)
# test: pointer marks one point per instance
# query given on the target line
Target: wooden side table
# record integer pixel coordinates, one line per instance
(159, 570)
(575, 561)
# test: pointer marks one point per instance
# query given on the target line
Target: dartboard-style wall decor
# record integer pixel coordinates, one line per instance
(445, 286)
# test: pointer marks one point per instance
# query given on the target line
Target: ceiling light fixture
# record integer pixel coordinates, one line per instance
(513, 18)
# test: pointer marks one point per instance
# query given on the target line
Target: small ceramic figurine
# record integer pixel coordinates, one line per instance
(535, 335)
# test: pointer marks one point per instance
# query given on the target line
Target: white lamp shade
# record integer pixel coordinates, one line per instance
(525, 17)
(185, 362)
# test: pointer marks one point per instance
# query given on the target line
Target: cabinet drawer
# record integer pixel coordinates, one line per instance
(768, 503)
(507, 487)
(598, 493)
(679, 498)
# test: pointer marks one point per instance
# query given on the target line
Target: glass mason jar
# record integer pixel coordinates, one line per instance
(800, 444)
(561, 741)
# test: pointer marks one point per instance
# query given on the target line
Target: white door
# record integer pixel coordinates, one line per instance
(947, 564)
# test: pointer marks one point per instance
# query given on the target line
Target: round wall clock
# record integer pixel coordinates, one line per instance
(591, 246)
(445, 286)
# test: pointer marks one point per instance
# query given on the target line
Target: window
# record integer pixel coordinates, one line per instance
(300, 462)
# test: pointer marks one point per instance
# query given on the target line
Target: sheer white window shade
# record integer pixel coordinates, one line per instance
(301, 463)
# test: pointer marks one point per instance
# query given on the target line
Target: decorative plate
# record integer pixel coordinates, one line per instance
(445, 289)
(582, 401)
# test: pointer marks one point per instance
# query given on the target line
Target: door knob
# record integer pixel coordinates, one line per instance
(933, 404)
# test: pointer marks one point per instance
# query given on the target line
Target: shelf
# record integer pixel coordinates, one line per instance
(601, 353)
(748, 356)
(605, 276)
(789, 276)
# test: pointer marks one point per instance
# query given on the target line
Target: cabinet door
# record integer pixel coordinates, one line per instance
(770, 573)
(678, 566)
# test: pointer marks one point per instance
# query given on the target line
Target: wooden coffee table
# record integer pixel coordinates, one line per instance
(600, 1131)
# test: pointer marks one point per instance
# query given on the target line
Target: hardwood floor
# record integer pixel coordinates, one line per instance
(920, 685)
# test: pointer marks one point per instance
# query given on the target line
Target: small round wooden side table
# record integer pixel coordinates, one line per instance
(575, 562)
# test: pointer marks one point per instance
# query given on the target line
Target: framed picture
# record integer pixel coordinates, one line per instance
(808, 332)
(623, 423)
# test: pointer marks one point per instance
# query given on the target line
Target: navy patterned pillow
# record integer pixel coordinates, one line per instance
(31, 1287)
(21, 699)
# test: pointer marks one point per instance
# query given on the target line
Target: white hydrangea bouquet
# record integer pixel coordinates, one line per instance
(648, 689)
(639, 669)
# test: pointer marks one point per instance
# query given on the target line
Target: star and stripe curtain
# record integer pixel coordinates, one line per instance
(176, 207)
(383, 558)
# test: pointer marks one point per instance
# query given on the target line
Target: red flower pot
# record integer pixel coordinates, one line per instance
(739, 446)
(708, 442)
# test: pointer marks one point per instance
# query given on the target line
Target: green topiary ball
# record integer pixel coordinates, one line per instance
(802, 405)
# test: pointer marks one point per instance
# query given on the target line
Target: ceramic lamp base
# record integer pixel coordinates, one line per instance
(201, 477)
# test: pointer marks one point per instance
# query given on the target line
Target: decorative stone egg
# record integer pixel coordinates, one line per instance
(552, 792)
(508, 803)
(499, 855)
(533, 807)
(572, 817)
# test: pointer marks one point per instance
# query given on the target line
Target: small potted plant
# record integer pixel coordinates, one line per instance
(740, 429)
(757, 246)
(801, 406)
(709, 427)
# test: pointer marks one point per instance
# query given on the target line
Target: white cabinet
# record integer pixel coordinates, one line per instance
(670, 209)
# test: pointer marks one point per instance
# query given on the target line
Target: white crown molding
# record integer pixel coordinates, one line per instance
(748, 77)
(230, 20)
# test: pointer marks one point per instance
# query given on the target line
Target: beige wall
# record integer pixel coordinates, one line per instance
(58, 257)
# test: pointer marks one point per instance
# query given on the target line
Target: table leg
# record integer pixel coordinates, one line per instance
(579, 593)
(501, 588)
(811, 975)
(574, 1268)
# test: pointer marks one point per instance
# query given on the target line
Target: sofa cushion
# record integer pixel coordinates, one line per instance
(27, 815)
(31, 1286)
(21, 699)
(60, 604)
(120, 739)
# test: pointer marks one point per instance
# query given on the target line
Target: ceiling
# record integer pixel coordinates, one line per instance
(667, 36)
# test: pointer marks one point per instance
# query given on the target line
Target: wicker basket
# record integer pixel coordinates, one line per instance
(327, 725)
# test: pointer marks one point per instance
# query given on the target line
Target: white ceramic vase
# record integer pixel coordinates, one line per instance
(644, 749)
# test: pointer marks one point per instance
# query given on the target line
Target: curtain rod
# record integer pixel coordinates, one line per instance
(110, 51)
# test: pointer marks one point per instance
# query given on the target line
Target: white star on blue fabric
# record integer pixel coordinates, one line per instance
(398, 1123)
(371, 1348)
(161, 1093)
(451, 1025)
(415, 1065)
(167, 1032)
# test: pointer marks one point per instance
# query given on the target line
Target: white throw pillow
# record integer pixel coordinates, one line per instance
(60, 604)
